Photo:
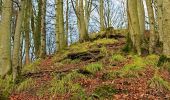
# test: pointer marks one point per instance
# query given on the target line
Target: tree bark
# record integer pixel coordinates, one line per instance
(166, 28)
(134, 26)
(152, 41)
(160, 19)
(17, 44)
(43, 29)
(5, 35)
(102, 26)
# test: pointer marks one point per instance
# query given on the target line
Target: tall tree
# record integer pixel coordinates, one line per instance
(102, 26)
(160, 19)
(15, 59)
(60, 34)
(166, 28)
(43, 29)
(152, 26)
(134, 25)
(141, 14)
(5, 43)
(37, 33)
(27, 31)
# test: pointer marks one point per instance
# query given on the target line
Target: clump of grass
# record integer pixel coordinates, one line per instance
(106, 91)
(25, 85)
(94, 67)
(72, 76)
(34, 67)
(152, 60)
(70, 61)
(104, 41)
(6, 87)
(117, 58)
(131, 70)
(157, 82)
(65, 84)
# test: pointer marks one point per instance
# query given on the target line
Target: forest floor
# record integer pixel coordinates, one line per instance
(96, 70)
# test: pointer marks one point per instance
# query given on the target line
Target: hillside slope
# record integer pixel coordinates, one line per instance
(96, 70)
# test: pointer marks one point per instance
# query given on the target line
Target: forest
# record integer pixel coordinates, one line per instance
(84, 49)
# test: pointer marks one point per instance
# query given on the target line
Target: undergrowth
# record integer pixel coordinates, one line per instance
(106, 92)
(94, 67)
(66, 85)
(33, 67)
(25, 85)
(6, 87)
(117, 58)
(157, 82)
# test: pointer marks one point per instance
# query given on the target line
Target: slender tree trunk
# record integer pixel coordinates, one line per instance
(27, 32)
(37, 34)
(67, 22)
(166, 28)
(60, 34)
(43, 30)
(83, 29)
(102, 26)
(160, 19)
(152, 41)
(5, 35)
(141, 14)
(17, 44)
(134, 25)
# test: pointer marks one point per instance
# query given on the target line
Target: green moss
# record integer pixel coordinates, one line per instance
(104, 41)
(117, 58)
(106, 92)
(6, 87)
(152, 60)
(132, 69)
(94, 67)
(72, 76)
(33, 67)
(69, 61)
(65, 84)
(157, 82)
(25, 85)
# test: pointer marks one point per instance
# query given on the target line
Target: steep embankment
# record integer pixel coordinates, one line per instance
(94, 70)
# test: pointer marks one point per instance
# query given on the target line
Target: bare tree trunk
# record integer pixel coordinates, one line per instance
(27, 32)
(102, 26)
(60, 34)
(83, 29)
(17, 44)
(152, 41)
(43, 30)
(134, 25)
(37, 34)
(160, 19)
(67, 23)
(166, 28)
(5, 34)
(141, 14)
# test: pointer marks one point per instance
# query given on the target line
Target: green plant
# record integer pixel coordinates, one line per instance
(106, 91)
(25, 85)
(63, 86)
(34, 67)
(6, 87)
(117, 58)
(157, 82)
(152, 60)
(132, 69)
(66, 84)
(94, 67)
